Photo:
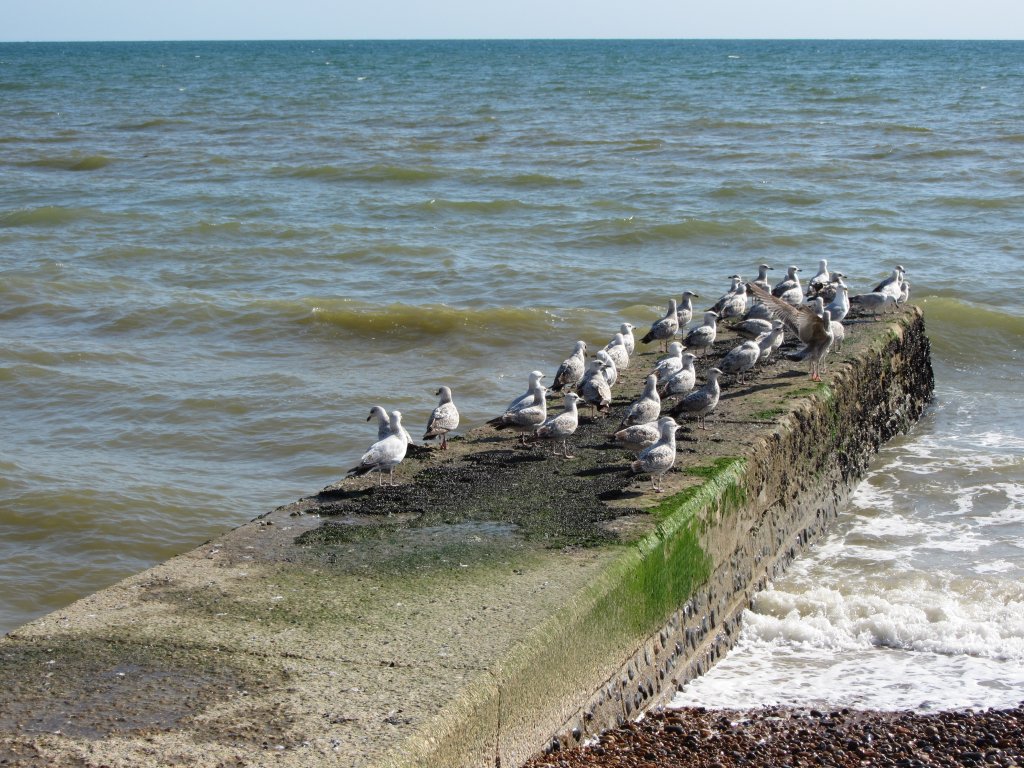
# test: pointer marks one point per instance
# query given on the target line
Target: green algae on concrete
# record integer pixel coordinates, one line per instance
(496, 599)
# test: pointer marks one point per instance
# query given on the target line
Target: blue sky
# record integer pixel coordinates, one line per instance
(402, 19)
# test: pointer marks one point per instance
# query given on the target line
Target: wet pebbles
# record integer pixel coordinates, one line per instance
(780, 737)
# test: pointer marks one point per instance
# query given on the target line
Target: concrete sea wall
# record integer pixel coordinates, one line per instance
(497, 603)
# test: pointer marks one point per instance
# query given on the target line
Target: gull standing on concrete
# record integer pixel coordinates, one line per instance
(875, 302)
(904, 292)
(821, 279)
(741, 359)
(637, 437)
(646, 408)
(703, 336)
(839, 307)
(385, 454)
(594, 389)
(610, 371)
(384, 423)
(789, 289)
(526, 399)
(735, 282)
(667, 367)
(665, 328)
(659, 458)
(838, 334)
(444, 419)
(753, 327)
(771, 341)
(700, 402)
(736, 304)
(526, 418)
(562, 426)
(616, 349)
(683, 380)
(628, 339)
(814, 331)
(684, 312)
(762, 278)
(891, 284)
(570, 372)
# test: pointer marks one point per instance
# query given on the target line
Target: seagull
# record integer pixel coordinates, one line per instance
(524, 419)
(385, 454)
(788, 289)
(839, 307)
(815, 332)
(838, 334)
(444, 419)
(815, 350)
(741, 359)
(384, 423)
(757, 311)
(772, 340)
(637, 437)
(646, 408)
(820, 279)
(626, 329)
(668, 366)
(703, 336)
(734, 286)
(665, 328)
(526, 399)
(736, 304)
(610, 370)
(570, 372)
(594, 389)
(684, 313)
(658, 459)
(875, 302)
(904, 292)
(828, 291)
(762, 278)
(683, 380)
(701, 402)
(891, 284)
(616, 349)
(753, 327)
(562, 426)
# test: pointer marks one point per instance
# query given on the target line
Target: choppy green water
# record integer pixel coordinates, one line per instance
(214, 257)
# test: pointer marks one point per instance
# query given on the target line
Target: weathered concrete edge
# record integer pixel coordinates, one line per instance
(751, 518)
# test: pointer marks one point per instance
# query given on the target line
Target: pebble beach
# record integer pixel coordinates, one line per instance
(782, 736)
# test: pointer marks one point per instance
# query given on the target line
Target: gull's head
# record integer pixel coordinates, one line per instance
(714, 373)
(445, 393)
(675, 348)
(378, 412)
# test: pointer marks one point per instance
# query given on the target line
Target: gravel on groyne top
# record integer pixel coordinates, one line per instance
(782, 736)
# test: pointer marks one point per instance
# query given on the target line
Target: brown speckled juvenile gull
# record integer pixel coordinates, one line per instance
(659, 458)
(444, 419)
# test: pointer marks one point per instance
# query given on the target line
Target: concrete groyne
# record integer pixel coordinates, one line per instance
(496, 603)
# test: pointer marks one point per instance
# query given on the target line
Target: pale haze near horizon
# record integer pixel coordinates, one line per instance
(73, 20)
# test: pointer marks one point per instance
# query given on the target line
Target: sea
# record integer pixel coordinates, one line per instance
(215, 257)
